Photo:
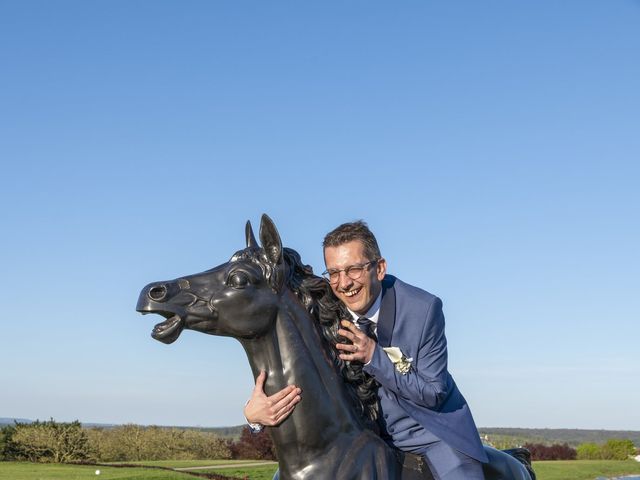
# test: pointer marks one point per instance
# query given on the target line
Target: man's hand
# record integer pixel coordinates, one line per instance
(270, 411)
(362, 348)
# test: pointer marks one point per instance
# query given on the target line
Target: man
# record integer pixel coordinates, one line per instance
(422, 410)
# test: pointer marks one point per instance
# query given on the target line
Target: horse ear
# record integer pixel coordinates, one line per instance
(251, 238)
(270, 239)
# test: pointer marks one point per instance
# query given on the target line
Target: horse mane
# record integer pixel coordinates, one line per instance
(316, 295)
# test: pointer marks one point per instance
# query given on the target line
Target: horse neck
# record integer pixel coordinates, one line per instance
(293, 353)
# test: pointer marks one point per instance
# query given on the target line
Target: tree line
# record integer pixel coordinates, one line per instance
(549, 436)
(60, 442)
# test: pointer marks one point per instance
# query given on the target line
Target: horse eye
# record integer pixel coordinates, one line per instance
(238, 280)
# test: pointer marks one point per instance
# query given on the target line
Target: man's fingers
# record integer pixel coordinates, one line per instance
(276, 397)
(286, 410)
(353, 357)
(347, 334)
(350, 326)
(260, 382)
(347, 347)
(350, 331)
(356, 351)
(288, 399)
(281, 410)
(289, 404)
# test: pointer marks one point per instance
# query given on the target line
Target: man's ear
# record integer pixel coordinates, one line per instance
(270, 239)
(381, 269)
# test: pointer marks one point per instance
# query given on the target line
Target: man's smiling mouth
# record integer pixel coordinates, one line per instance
(351, 293)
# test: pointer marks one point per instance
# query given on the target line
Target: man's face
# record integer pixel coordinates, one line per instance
(357, 294)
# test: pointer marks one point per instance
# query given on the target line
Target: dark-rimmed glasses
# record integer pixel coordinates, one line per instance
(354, 272)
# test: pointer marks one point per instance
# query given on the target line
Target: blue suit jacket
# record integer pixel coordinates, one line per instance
(412, 320)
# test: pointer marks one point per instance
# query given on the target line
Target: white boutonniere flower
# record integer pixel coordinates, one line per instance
(402, 363)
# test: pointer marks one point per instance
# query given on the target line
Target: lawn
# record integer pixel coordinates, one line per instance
(53, 471)
(56, 471)
(552, 470)
(260, 472)
(254, 473)
(584, 469)
(187, 463)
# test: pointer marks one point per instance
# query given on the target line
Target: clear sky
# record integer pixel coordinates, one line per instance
(492, 146)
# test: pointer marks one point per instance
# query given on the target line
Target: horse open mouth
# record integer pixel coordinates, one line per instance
(169, 330)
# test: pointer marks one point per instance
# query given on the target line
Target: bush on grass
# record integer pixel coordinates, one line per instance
(540, 451)
(69, 442)
(253, 446)
(135, 443)
(48, 441)
(613, 449)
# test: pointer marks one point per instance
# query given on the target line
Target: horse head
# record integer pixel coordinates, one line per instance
(238, 298)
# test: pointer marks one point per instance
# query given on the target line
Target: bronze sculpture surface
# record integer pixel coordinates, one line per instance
(286, 319)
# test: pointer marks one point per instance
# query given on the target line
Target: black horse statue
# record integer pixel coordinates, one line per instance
(287, 319)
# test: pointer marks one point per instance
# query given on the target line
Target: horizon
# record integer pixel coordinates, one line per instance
(492, 148)
(109, 424)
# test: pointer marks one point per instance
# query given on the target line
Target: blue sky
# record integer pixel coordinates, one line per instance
(492, 146)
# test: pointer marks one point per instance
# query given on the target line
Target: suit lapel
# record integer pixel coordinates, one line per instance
(387, 317)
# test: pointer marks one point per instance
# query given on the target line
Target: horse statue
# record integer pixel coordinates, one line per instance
(287, 319)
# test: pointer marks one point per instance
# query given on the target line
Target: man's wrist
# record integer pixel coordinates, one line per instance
(255, 427)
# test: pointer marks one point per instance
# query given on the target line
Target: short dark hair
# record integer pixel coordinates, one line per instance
(348, 232)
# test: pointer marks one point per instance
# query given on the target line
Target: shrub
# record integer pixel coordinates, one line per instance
(69, 442)
(48, 441)
(5, 442)
(589, 451)
(540, 451)
(618, 449)
(134, 443)
(253, 446)
(613, 449)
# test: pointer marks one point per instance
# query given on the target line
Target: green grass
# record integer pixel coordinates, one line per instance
(256, 473)
(584, 469)
(186, 463)
(56, 471)
(556, 470)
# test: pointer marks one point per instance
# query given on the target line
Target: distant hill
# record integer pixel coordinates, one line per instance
(10, 421)
(232, 433)
(574, 437)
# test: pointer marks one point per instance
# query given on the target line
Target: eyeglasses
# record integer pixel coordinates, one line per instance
(354, 272)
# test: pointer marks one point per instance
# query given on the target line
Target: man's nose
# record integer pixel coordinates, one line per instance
(344, 280)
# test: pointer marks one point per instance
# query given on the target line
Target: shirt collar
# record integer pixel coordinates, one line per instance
(373, 313)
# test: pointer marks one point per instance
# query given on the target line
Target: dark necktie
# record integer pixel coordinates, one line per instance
(367, 327)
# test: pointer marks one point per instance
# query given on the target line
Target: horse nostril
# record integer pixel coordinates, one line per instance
(158, 293)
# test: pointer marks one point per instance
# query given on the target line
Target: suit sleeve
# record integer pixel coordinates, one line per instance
(426, 383)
